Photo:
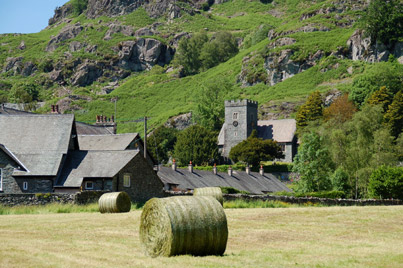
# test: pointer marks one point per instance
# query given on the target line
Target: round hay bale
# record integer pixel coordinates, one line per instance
(194, 225)
(210, 191)
(115, 202)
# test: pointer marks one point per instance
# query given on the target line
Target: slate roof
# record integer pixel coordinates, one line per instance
(38, 141)
(93, 164)
(253, 183)
(86, 129)
(13, 157)
(278, 130)
(106, 142)
(221, 136)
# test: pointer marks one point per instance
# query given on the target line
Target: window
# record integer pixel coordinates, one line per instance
(235, 116)
(25, 185)
(251, 117)
(89, 185)
(1, 179)
(126, 180)
(235, 134)
(282, 147)
(108, 185)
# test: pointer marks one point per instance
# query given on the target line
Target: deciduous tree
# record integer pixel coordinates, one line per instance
(311, 110)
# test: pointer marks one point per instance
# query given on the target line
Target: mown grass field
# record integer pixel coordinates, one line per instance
(264, 237)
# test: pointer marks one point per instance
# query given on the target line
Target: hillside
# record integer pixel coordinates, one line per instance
(91, 54)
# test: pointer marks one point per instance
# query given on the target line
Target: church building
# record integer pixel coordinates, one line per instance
(241, 119)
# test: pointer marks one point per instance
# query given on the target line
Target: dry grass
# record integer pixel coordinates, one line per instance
(267, 237)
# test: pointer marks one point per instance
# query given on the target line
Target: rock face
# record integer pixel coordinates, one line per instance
(61, 13)
(14, 64)
(180, 122)
(86, 74)
(66, 33)
(97, 8)
(360, 48)
(142, 54)
(118, 28)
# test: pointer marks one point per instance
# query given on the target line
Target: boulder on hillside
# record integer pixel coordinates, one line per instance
(66, 33)
(142, 54)
(86, 73)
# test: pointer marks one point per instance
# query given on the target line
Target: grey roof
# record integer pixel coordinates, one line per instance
(86, 129)
(106, 142)
(253, 183)
(278, 130)
(39, 141)
(93, 164)
(12, 111)
(13, 157)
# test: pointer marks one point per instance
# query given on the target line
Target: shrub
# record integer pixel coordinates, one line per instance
(386, 182)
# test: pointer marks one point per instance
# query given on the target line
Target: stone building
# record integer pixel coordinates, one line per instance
(42, 153)
(241, 119)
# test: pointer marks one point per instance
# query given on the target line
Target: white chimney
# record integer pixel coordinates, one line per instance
(230, 171)
(247, 170)
(215, 169)
(261, 171)
(190, 167)
(174, 165)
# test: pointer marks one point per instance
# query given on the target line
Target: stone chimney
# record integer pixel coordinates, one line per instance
(261, 170)
(55, 109)
(230, 171)
(215, 169)
(174, 165)
(190, 167)
(247, 170)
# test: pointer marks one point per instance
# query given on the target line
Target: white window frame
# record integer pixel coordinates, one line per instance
(25, 185)
(235, 116)
(126, 180)
(1, 179)
(86, 185)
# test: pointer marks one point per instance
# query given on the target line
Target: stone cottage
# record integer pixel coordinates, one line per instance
(41, 153)
(241, 119)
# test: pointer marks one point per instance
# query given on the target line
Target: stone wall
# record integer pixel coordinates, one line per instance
(315, 200)
(80, 198)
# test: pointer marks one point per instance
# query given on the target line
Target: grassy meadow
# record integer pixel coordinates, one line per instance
(258, 237)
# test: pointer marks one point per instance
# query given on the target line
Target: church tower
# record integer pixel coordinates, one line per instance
(240, 120)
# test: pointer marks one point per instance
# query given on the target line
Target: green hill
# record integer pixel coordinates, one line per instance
(91, 54)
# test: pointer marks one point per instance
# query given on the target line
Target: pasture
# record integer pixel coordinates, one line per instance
(258, 237)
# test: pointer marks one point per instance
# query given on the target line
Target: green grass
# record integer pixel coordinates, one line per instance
(259, 204)
(55, 208)
(258, 237)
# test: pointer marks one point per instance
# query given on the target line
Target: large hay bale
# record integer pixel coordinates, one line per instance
(210, 191)
(115, 202)
(194, 225)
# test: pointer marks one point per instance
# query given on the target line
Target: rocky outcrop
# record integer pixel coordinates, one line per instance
(276, 68)
(13, 64)
(118, 28)
(142, 54)
(361, 48)
(174, 42)
(28, 69)
(61, 13)
(66, 33)
(97, 8)
(86, 74)
(180, 122)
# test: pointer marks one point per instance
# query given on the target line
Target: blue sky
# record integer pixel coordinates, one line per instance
(26, 16)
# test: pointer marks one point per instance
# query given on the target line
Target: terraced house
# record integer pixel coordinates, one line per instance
(43, 153)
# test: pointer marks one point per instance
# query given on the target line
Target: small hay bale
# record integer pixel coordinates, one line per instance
(210, 191)
(115, 202)
(194, 225)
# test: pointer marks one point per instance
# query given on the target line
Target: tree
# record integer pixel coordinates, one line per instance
(161, 143)
(313, 164)
(79, 6)
(311, 110)
(384, 21)
(340, 111)
(254, 149)
(210, 111)
(196, 144)
(386, 182)
(394, 115)
(383, 97)
(188, 53)
(340, 181)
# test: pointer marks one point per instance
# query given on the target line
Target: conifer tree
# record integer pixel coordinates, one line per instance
(394, 115)
(383, 97)
(311, 110)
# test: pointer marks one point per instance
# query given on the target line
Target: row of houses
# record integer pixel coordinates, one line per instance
(55, 153)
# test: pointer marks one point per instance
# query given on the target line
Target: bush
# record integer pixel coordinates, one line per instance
(231, 190)
(386, 182)
(79, 6)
